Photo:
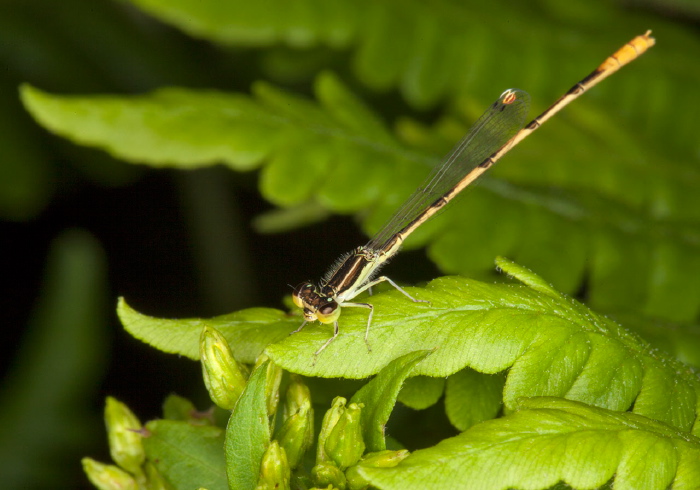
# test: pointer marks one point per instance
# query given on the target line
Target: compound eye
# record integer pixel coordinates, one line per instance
(329, 312)
(302, 291)
(328, 309)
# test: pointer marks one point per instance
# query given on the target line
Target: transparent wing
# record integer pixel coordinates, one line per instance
(490, 132)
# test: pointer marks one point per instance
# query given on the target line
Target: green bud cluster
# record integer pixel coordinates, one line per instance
(340, 444)
(344, 444)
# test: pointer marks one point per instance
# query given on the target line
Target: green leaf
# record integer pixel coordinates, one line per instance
(379, 398)
(527, 277)
(247, 331)
(550, 345)
(472, 397)
(549, 440)
(241, 131)
(176, 407)
(248, 433)
(171, 127)
(188, 456)
(421, 392)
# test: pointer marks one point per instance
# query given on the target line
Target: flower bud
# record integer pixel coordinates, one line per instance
(324, 474)
(329, 420)
(272, 386)
(123, 433)
(223, 376)
(380, 459)
(293, 436)
(297, 432)
(297, 396)
(345, 444)
(107, 476)
(274, 469)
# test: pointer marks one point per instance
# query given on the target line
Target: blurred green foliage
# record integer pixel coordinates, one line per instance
(349, 104)
(599, 196)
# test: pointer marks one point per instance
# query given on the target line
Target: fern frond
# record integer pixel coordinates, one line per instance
(565, 441)
(549, 344)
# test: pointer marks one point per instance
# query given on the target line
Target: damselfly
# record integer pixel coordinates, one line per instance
(498, 130)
